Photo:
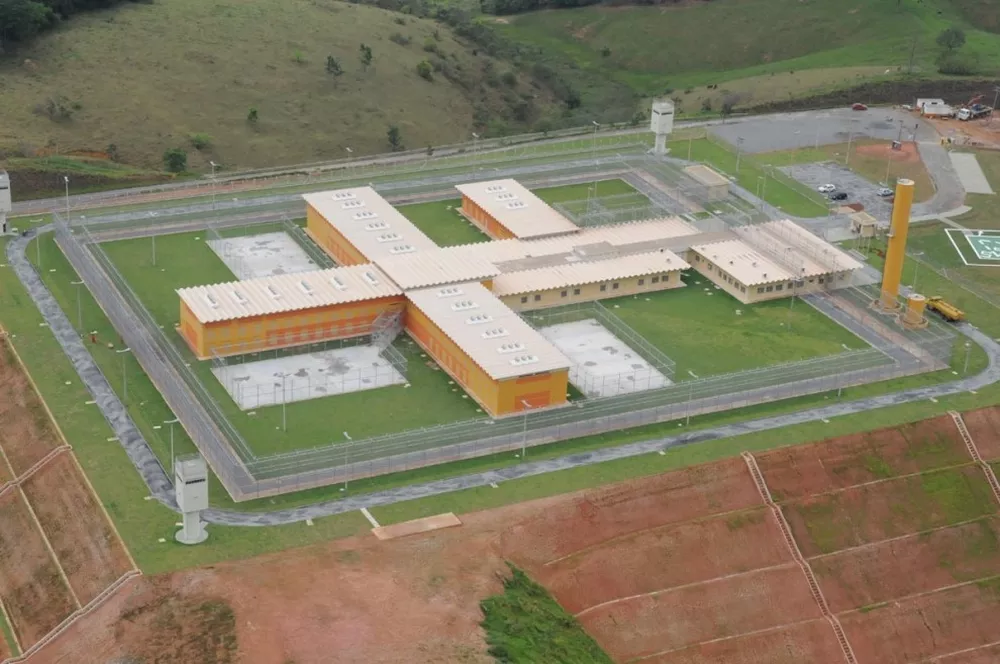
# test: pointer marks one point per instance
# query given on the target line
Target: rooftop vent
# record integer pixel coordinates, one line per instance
(516, 205)
(343, 195)
(478, 319)
(365, 214)
(463, 305)
(521, 360)
(389, 237)
(506, 196)
(450, 292)
(239, 298)
(371, 278)
(495, 333)
(511, 347)
(376, 226)
(494, 188)
(211, 301)
(402, 249)
(306, 288)
(338, 283)
(274, 292)
(349, 205)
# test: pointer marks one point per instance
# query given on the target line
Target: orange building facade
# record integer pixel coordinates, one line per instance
(484, 220)
(330, 240)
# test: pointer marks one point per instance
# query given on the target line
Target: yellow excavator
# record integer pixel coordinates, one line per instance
(945, 309)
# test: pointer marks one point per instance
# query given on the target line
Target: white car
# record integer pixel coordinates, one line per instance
(826, 188)
(884, 191)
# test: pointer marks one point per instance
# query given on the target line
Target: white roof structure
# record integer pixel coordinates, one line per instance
(513, 205)
(704, 175)
(432, 268)
(581, 273)
(743, 263)
(797, 248)
(486, 330)
(369, 222)
(287, 292)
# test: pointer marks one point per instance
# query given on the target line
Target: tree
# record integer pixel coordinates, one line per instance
(333, 66)
(21, 20)
(725, 111)
(951, 39)
(175, 160)
(366, 55)
(252, 115)
(395, 138)
(424, 70)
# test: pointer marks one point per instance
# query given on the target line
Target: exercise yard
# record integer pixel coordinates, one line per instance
(603, 364)
(262, 255)
(706, 331)
(286, 378)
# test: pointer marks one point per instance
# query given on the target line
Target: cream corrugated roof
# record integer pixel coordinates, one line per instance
(521, 212)
(432, 268)
(580, 273)
(743, 263)
(492, 335)
(797, 248)
(635, 234)
(706, 176)
(369, 222)
(287, 292)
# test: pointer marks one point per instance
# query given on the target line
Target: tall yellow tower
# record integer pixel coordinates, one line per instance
(895, 252)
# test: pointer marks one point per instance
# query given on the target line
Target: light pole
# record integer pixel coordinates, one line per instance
(284, 421)
(172, 423)
(214, 166)
(916, 264)
(996, 98)
(153, 238)
(850, 139)
(687, 420)
(350, 161)
(123, 352)
(690, 140)
(597, 126)
(968, 347)
(79, 309)
(739, 149)
(66, 181)
(475, 150)
(347, 450)
(524, 432)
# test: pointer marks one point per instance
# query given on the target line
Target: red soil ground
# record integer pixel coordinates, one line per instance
(919, 563)
(794, 472)
(907, 153)
(984, 426)
(596, 516)
(986, 655)
(90, 553)
(666, 557)
(874, 512)
(911, 630)
(688, 615)
(810, 641)
(5, 652)
(26, 433)
(34, 594)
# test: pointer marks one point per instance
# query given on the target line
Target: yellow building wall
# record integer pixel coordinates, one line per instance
(191, 329)
(294, 328)
(452, 359)
(542, 390)
(484, 221)
(331, 241)
(765, 292)
(590, 292)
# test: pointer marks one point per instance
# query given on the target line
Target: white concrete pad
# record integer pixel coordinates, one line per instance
(307, 376)
(603, 364)
(970, 173)
(262, 255)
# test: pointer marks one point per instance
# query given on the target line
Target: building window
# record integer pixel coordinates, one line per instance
(604, 287)
(538, 298)
(656, 279)
(760, 290)
(790, 285)
(614, 286)
(743, 288)
(821, 280)
(642, 282)
(779, 287)
(564, 294)
(576, 291)
(770, 288)
(524, 299)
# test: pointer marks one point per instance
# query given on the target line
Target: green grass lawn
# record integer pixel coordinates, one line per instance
(985, 211)
(441, 222)
(8, 636)
(780, 191)
(701, 331)
(579, 192)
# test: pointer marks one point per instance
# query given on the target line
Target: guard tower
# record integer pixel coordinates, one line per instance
(6, 206)
(661, 123)
(191, 487)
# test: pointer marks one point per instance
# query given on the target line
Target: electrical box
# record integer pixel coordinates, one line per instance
(191, 484)
(661, 119)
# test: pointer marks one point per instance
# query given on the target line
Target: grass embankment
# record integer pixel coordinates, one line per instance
(867, 159)
(525, 625)
(985, 211)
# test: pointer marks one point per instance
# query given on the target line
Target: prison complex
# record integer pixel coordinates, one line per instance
(461, 304)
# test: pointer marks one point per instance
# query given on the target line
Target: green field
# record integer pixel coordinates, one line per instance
(441, 222)
(985, 211)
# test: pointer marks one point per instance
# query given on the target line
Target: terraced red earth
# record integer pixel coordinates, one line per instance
(984, 426)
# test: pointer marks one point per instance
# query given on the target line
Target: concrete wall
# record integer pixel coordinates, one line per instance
(331, 241)
(596, 291)
(764, 292)
(484, 221)
(294, 328)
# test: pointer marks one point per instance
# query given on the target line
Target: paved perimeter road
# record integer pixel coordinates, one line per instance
(160, 486)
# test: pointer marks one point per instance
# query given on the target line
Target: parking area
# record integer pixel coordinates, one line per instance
(858, 189)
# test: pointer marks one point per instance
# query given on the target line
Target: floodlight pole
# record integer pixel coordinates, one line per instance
(214, 166)
(687, 420)
(597, 126)
(284, 421)
(172, 423)
(123, 352)
(690, 140)
(739, 149)
(996, 98)
(350, 161)
(524, 433)
(968, 347)
(347, 449)
(916, 264)
(850, 139)
(475, 150)
(79, 309)
(66, 181)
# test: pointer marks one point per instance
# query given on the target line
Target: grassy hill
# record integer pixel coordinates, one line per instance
(671, 49)
(146, 77)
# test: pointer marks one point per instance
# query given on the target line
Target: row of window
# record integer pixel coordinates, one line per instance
(604, 287)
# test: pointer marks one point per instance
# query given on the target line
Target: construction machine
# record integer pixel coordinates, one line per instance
(974, 109)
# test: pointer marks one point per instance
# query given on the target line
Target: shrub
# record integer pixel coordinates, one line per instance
(395, 138)
(431, 46)
(606, 52)
(399, 38)
(200, 141)
(951, 39)
(400, 20)
(509, 78)
(957, 64)
(58, 108)
(175, 160)
(333, 66)
(424, 70)
(252, 115)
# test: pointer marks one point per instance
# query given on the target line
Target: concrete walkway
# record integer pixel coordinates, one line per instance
(160, 487)
(970, 173)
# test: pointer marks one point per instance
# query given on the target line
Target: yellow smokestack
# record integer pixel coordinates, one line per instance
(896, 247)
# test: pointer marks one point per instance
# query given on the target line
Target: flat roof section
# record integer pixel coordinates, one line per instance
(589, 272)
(486, 330)
(287, 292)
(807, 254)
(433, 268)
(369, 222)
(514, 206)
(704, 175)
(743, 263)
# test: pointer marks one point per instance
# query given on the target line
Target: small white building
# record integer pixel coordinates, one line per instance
(935, 108)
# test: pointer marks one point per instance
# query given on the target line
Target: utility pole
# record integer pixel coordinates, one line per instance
(347, 449)
(123, 352)
(79, 309)
(996, 98)
(913, 51)
(594, 148)
(524, 432)
(172, 423)
(66, 180)
(214, 166)
(739, 148)
(687, 420)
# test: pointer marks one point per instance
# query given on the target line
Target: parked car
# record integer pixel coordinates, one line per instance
(884, 191)
(826, 188)
(839, 196)
(858, 106)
